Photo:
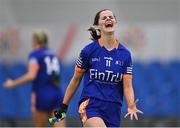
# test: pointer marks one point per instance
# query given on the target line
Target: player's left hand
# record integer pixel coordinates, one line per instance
(132, 111)
(9, 84)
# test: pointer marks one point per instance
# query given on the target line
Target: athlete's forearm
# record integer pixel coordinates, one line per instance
(128, 92)
(72, 87)
(24, 79)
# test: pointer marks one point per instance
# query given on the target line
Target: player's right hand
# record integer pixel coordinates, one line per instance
(8, 84)
(59, 113)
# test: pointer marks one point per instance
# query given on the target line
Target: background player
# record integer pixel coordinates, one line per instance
(107, 69)
(43, 71)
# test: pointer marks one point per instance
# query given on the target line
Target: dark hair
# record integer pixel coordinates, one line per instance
(92, 30)
(42, 38)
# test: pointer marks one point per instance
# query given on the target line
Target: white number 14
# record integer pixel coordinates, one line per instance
(52, 65)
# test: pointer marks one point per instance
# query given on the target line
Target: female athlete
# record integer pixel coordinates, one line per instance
(43, 72)
(106, 68)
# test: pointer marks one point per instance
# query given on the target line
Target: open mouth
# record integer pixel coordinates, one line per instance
(109, 24)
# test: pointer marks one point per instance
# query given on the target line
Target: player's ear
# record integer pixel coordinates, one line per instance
(116, 23)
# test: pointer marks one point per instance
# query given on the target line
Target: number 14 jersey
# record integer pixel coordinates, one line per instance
(49, 69)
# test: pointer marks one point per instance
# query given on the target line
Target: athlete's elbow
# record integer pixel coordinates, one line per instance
(31, 77)
(127, 84)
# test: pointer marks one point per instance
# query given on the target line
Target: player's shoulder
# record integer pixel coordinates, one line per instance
(39, 52)
(124, 49)
(34, 53)
(89, 48)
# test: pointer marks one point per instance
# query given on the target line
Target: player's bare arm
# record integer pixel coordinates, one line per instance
(28, 77)
(72, 87)
(129, 96)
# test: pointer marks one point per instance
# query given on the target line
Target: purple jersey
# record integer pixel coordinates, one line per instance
(103, 71)
(48, 74)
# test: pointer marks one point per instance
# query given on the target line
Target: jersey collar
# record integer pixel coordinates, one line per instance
(101, 43)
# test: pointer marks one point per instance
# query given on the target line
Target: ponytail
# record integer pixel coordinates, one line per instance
(94, 33)
(92, 30)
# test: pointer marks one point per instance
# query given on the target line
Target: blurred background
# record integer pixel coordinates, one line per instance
(149, 28)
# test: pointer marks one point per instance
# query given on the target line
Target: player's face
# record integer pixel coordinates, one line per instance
(107, 21)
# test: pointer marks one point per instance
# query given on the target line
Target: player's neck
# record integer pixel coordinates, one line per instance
(109, 40)
(36, 47)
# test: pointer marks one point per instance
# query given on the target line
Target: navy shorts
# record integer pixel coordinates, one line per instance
(110, 112)
(48, 101)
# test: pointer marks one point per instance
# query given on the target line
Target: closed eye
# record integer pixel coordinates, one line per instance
(111, 17)
(104, 18)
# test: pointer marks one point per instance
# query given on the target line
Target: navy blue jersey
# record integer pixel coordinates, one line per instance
(48, 74)
(104, 70)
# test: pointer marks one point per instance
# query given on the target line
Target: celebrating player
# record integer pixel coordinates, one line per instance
(43, 71)
(107, 69)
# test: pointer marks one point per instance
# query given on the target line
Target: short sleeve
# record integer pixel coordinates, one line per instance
(32, 59)
(128, 65)
(82, 62)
